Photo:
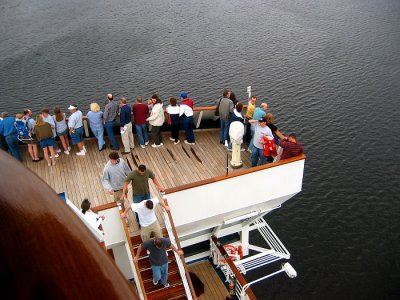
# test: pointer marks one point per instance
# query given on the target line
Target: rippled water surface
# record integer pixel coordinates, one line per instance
(329, 68)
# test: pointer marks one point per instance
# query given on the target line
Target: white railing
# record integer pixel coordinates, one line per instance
(181, 267)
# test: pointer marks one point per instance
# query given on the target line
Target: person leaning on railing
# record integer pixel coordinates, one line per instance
(290, 146)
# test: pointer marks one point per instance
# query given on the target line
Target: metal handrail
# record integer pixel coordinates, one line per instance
(183, 270)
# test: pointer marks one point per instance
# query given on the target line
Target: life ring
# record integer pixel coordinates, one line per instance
(231, 251)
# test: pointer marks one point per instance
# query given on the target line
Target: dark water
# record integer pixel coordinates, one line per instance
(331, 72)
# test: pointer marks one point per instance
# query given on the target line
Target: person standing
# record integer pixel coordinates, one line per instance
(32, 144)
(251, 106)
(61, 128)
(49, 119)
(186, 111)
(259, 112)
(140, 184)
(9, 131)
(140, 112)
(114, 174)
(95, 117)
(76, 129)
(44, 135)
(225, 108)
(173, 120)
(158, 258)
(109, 119)
(125, 120)
(156, 120)
(260, 129)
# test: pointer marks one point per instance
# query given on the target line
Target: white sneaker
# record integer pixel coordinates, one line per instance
(56, 155)
(142, 146)
(192, 143)
(186, 142)
(156, 146)
(171, 139)
(81, 153)
(66, 152)
(69, 148)
(226, 144)
(146, 143)
(161, 144)
(58, 150)
(176, 143)
(166, 285)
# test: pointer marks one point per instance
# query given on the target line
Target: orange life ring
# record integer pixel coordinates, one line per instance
(231, 251)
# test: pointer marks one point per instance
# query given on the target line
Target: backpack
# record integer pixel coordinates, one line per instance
(269, 146)
(22, 130)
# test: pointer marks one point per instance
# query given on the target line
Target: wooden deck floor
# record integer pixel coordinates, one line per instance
(174, 165)
(213, 286)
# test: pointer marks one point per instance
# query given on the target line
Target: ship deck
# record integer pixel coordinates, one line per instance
(213, 286)
(173, 165)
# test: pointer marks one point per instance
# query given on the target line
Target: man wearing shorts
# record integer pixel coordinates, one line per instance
(76, 129)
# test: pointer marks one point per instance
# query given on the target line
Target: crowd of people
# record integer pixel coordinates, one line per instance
(257, 125)
(44, 128)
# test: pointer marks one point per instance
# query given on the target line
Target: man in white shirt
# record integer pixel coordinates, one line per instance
(147, 217)
(260, 129)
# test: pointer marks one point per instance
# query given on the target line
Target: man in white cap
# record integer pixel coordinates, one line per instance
(76, 129)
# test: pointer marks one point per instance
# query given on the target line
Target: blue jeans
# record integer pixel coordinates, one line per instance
(160, 273)
(256, 154)
(140, 198)
(98, 133)
(224, 133)
(188, 127)
(142, 135)
(13, 146)
(109, 126)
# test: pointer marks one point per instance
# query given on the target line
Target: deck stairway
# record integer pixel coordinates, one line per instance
(176, 289)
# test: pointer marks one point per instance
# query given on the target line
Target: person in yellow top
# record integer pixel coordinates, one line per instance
(249, 115)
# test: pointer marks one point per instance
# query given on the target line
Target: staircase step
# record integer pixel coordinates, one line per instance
(173, 292)
(174, 279)
(176, 287)
(148, 273)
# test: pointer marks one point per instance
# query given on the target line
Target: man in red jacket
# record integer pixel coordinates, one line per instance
(140, 112)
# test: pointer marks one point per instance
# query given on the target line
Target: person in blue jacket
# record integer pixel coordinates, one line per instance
(9, 131)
